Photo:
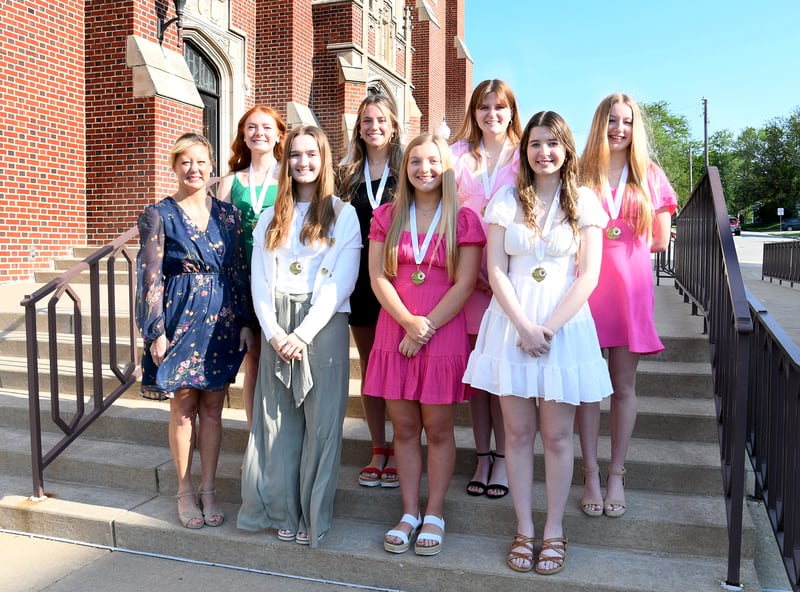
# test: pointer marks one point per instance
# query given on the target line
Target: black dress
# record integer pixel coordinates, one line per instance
(363, 304)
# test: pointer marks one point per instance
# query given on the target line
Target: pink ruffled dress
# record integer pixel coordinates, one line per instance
(471, 194)
(433, 376)
(623, 302)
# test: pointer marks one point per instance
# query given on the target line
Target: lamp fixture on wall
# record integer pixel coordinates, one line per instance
(177, 19)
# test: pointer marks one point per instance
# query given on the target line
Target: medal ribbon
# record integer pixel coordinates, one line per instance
(297, 227)
(375, 200)
(545, 230)
(614, 201)
(488, 183)
(258, 203)
(419, 252)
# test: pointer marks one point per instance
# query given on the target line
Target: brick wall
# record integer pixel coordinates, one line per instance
(243, 18)
(428, 65)
(127, 138)
(81, 156)
(458, 70)
(331, 98)
(41, 124)
(283, 52)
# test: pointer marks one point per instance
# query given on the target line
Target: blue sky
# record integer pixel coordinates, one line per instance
(566, 55)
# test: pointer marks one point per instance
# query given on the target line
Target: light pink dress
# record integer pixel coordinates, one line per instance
(471, 194)
(433, 376)
(623, 302)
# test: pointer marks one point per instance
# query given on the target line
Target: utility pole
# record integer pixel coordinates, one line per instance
(705, 127)
(691, 181)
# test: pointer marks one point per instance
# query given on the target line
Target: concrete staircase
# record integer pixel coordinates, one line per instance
(115, 486)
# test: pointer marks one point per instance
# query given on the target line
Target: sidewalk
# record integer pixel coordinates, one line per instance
(39, 565)
(782, 301)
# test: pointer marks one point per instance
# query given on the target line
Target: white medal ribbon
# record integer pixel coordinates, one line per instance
(419, 252)
(488, 184)
(545, 230)
(258, 202)
(297, 228)
(614, 201)
(375, 200)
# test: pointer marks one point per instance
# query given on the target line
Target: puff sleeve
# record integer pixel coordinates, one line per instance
(503, 207)
(590, 210)
(469, 230)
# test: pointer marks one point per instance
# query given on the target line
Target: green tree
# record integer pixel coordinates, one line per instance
(767, 175)
(670, 143)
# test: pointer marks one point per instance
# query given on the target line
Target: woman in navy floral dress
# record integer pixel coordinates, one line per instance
(193, 311)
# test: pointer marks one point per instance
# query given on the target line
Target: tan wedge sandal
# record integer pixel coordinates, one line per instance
(591, 506)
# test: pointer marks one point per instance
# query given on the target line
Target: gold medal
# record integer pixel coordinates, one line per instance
(418, 277)
(539, 274)
(614, 233)
(296, 268)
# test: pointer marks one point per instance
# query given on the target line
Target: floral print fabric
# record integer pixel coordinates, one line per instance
(192, 287)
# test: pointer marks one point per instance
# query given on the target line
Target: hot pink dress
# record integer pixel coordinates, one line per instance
(472, 194)
(622, 304)
(433, 376)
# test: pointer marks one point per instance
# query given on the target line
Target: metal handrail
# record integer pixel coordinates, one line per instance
(126, 375)
(781, 261)
(707, 272)
(773, 444)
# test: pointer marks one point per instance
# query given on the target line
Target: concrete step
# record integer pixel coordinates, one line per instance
(120, 264)
(471, 559)
(65, 320)
(61, 266)
(15, 345)
(679, 466)
(80, 253)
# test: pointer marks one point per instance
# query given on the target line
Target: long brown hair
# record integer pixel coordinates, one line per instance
(240, 153)
(351, 169)
(404, 197)
(470, 130)
(526, 189)
(594, 163)
(321, 214)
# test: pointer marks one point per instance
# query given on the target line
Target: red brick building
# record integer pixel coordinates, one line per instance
(90, 103)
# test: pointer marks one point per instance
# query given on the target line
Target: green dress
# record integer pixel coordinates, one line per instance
(240, 197)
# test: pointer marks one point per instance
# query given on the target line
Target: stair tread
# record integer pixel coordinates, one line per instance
(681, 453)
(468, 561)
(120, 454)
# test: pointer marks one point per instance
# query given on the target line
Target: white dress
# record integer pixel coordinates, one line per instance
(573, 371)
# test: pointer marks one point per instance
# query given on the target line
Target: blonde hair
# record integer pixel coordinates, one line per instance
(526, 189)
(594, 163)
(351, 169)
(186, 141)
(471, 132)
(321, 213)
(404, 197)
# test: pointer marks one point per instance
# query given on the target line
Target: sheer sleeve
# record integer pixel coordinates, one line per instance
(661, 192)
(149, 276)
(245, 315)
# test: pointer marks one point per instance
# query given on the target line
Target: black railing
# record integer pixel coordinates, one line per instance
(781, 261)
(707, 273)
(126, 372)
(773, 437)
(664, 261)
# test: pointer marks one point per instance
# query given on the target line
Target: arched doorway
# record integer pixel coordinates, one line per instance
(206, 78)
